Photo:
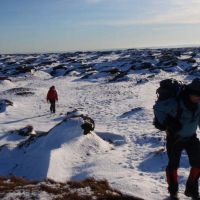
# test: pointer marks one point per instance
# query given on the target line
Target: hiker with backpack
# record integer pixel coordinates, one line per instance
(52, 97)
(177, 111)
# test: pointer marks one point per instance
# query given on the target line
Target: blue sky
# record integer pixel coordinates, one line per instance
(67, 25)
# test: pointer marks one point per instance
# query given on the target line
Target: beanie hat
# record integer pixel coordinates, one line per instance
(194, 87)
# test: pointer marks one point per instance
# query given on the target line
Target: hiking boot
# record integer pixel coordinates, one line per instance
(174, 196)
(193, 195)
(196, 198)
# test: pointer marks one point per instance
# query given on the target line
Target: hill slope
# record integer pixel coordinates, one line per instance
(117, 90)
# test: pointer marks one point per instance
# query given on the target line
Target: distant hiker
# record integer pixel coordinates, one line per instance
(52, 97)
(179, 117)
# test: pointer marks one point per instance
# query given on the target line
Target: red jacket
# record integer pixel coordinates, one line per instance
(52, 95)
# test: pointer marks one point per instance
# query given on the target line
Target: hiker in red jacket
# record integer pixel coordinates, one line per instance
(52, 97)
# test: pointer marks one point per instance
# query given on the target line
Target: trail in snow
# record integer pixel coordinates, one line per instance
(135, 166)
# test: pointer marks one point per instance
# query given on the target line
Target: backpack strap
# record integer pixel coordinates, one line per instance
(179, 109)
(173, 123)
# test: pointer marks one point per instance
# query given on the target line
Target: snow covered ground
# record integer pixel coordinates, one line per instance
(133, 161)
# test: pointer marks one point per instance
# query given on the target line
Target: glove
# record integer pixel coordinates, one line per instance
(173, 125)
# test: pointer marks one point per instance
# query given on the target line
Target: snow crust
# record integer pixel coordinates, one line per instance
(124, 148)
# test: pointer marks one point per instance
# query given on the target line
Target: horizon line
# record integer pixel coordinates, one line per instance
(107, 49)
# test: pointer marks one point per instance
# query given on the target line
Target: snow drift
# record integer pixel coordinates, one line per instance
(51, 154)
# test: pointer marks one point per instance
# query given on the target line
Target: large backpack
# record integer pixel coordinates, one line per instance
(169, 88)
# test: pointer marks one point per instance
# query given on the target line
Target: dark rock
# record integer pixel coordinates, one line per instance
(146, 65)
(30, 61)
(112, 71)
(61, 66)
(47, 62)
(177, 53)
(141, 81)
(25, 131)
(25, 93)
(19, 91)
(104, 53)
(168, 59)
(23, 69)
(2, 78)
(194, 71)
(193, 54)
(119, 76)
(58, 70)
(151, 76)
(4, 103)
(87, 127)
(190, 60)
(170, 63)
(8, 102)
(191, 69)
(88, 124)
(10, 62)
(84, 66)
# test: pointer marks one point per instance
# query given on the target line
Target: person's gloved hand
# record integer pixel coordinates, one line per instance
(173, 125)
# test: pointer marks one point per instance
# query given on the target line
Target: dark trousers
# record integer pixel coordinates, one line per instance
(175, 146)
(52, 106)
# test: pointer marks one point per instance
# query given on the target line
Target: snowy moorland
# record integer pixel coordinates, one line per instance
(116, 90)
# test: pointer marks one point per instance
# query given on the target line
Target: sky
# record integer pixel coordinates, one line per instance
(28, 26)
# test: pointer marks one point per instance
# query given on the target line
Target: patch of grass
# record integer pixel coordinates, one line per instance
(88, 189)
